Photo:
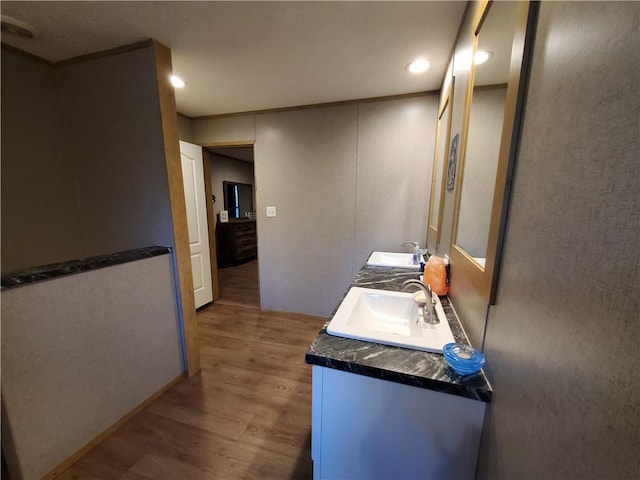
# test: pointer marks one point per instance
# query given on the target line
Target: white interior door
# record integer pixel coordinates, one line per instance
(193, 178)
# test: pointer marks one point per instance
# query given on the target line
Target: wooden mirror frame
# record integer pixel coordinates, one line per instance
(483, 281)
(435, 231)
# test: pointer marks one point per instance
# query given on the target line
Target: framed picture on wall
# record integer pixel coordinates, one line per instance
(453, 160)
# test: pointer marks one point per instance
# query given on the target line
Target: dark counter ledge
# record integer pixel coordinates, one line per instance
(47, 272)
(400, 365)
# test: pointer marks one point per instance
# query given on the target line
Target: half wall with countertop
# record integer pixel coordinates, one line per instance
(86, 160)
(83, 344)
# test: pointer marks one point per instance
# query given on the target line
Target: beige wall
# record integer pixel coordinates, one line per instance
(185, 128)
(40, 222)
(83, 169)
(112, 122)
(345, 180)
(562, 341)
(306, 167)
(237, 128)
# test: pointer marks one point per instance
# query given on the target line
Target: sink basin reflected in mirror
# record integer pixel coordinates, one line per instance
(391, 259)
(389, 318)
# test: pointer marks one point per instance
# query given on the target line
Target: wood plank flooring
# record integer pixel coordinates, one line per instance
(247, 415)
(239, 285)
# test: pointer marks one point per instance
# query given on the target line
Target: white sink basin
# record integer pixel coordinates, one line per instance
(391, 259)
(387, 317)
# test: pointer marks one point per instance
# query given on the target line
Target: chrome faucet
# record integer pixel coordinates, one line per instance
(413, 245)
(429, 309)
(417, 254)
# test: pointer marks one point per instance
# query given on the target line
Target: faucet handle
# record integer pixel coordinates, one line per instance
(429, 310)
(412, 244)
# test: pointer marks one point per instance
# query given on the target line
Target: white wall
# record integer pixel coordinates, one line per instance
(345, 180)
(562, 342)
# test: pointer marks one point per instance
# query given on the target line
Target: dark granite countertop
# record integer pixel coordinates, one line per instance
(47, 272)
(396, 364)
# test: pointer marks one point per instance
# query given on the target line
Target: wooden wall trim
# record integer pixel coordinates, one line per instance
(102, 436)
(321, 105)
(524, 33)
(486, 88)
(106, 53)
(463, 19)
(10, 48)
(242, 143)
(447, 103)
(184, 279)
(211, 226)
(82, 58)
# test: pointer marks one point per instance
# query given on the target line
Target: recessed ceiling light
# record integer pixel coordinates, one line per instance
(177, 82)
(482, 56)
(419, 65)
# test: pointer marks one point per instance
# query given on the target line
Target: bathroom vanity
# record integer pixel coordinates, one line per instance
(381, 412)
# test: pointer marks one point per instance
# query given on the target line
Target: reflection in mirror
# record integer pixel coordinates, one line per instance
(474, 281)
(443, 131)
(484, 130)
(238, 199)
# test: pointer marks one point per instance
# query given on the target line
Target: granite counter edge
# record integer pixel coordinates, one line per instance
(476, 387)
(48, 272)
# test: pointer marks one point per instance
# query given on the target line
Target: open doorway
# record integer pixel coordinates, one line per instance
(233, 191)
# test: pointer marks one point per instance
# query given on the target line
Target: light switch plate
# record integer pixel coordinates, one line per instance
(271, 211)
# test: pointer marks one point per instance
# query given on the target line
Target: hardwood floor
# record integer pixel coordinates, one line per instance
(247, 415)
(239, 285)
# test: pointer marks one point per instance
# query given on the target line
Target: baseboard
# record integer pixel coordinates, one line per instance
(100, 437)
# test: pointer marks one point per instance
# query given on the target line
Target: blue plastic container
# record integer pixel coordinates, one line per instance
(463, 359)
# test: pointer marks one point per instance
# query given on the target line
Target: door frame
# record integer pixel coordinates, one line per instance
(182, 255)
(211, 225)
(211, 219)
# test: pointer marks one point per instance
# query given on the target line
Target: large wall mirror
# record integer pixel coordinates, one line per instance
(238, 199)
(494, 99)
(484, 131)
(441, 154)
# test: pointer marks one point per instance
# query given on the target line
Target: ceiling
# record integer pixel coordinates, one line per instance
(246, 56)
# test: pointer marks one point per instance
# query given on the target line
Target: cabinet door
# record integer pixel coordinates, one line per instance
(364, 427)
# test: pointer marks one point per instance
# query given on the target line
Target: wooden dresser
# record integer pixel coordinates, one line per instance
(236, 242)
